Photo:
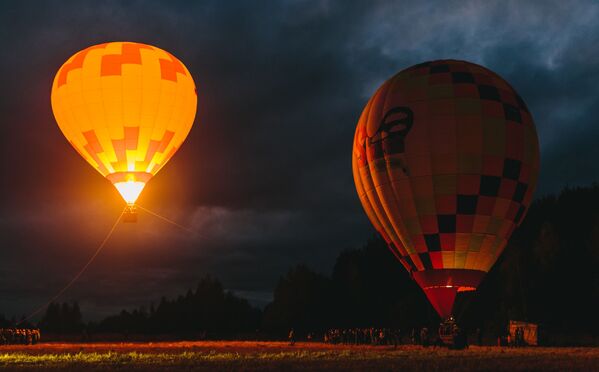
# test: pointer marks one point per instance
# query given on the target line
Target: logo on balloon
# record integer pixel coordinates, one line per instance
(395, 125)
(392, 132)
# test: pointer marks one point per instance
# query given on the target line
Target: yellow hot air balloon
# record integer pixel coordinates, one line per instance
(126, 108)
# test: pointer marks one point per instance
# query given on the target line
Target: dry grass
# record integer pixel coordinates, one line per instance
(238, 355)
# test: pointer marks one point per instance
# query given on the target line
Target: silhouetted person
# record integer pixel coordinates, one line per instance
(291, 337)
(519, 337)
(424, 336)
(460, 339)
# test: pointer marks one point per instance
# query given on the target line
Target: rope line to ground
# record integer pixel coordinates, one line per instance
(74, 279)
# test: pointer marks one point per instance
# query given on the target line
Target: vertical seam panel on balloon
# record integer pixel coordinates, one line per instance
(73, 128)
(363, 196)
(373, 195)
(122, 78)
(372, 199)
(87, 110)
(105, 112)
(378, 204)
(180, 104)
(412, 196)
(173, 141)
(429, 129)
(185, 115)
(150, 169)
(59, 107)
(459, 175)
(476, 256)
(65, 110)
(141, 105)
(402, 230)
(189, 117)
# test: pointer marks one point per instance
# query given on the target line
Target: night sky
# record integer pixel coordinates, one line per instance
(264, 179)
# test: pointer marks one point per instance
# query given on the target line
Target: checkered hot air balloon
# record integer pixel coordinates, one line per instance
(445, 161)
(126, 108)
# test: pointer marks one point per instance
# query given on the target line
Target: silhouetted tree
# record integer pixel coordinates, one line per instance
(548, 272)
(210, 309)
(303, 300)
(376, 290)
(4, 323)
(62, 318)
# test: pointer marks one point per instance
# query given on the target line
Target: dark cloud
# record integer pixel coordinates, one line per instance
(264, 179)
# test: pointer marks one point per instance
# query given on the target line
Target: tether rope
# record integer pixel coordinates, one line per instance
(74, 279)
(169, 221)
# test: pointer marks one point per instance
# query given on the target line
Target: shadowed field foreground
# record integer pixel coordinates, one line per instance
(278, 355)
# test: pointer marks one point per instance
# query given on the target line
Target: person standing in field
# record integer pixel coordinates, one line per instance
(424, 336)
(291, 337)
(395, 336)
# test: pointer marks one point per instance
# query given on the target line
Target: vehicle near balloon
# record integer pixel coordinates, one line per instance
(126, 108)
(445, 162)
(523, 333)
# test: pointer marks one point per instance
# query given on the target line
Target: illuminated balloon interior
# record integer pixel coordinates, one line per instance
(130, 190)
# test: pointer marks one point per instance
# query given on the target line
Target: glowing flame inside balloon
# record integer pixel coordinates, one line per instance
(130, 190)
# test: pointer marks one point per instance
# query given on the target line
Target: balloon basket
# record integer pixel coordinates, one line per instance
(447, 331)
(452, 336)
(130, 214)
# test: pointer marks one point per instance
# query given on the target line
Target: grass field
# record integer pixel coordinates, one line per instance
(252, 355)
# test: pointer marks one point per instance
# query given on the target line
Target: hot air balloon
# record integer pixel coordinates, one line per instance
(445, 161)
(126, 108)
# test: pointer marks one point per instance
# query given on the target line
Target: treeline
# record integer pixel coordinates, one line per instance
(367, 288)
(207, 311)
(548, 274)
(62, 318)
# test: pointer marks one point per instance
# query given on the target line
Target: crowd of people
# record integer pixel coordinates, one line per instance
(390, 336)
(23, 336)
(363, 336)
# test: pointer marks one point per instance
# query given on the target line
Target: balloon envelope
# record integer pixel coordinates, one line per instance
(445, 161)
(126, 108)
